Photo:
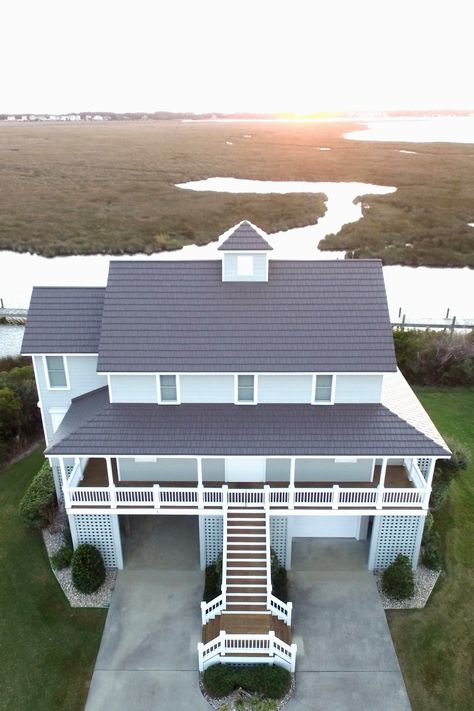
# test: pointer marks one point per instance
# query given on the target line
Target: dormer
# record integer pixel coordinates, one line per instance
(245, 255)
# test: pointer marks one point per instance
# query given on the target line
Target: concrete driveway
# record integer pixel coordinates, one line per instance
(346, 660)
(148, 655)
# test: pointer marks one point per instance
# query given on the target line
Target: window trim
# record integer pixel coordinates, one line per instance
(313, 390)
(236, 390)
(66, 372)
(178, 390)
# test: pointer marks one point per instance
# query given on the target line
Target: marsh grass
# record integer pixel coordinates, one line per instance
(110, 188)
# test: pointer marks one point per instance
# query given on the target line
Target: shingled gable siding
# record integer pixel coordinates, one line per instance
(358, 388)
(82, 377)
(133, 388)
(230, 271)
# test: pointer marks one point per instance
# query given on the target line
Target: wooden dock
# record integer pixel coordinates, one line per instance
(448, 323)
(16, 317)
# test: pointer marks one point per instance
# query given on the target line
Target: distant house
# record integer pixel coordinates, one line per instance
(259, 396)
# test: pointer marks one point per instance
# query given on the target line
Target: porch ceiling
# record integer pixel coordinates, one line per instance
(94, 426)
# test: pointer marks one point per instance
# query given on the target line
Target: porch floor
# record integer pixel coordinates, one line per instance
(95, 474)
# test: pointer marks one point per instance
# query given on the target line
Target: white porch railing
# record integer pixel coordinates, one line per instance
(200, 497)
(209, 610)
(282, 610)
(247, 649)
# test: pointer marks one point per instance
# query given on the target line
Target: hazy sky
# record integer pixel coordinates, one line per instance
(235, 55)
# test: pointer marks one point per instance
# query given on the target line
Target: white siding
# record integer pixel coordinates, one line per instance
(230, 267)
(358, 388)
(284, 388)
(207, 388)
(161, 470)
(82, 377)
(133, 388)
(278, 470)
(332, 471)
(213, 470)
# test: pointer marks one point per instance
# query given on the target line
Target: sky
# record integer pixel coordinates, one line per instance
(234, 55)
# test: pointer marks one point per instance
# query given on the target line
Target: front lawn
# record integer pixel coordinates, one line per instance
(47, 649)
(436, 645)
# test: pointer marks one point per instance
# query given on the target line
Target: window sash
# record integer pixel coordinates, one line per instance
(168, 388)
(323, 388)
(56, 371)
(246, 388)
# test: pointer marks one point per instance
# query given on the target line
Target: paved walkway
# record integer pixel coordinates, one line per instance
(148, 658)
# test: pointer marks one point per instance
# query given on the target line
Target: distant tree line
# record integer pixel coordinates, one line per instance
(20, 418)
(435, 357)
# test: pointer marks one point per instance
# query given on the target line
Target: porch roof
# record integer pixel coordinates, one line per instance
(94, 426)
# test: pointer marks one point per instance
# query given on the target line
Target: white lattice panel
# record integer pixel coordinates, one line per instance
(395, 535)
(279, 537)
(213, 537)
(424, 463)
(99, 531)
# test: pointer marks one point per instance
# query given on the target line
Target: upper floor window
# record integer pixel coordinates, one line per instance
(246, 389)
(56, 372)
(323, 389)
(168, 388)
(244, 265)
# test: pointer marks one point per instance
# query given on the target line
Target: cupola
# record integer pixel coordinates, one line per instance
(245, 255)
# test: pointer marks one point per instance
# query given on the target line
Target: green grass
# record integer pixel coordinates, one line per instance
(436, 645)
(47, 649)
(87, 188)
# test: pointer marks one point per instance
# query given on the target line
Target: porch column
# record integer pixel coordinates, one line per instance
(64, 483)
(291, 487)
(200, 486)
(429, 482)
(110, 477)
(381, 486)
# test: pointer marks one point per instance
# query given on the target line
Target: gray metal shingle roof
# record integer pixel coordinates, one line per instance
(310, 316)
(94, 426)
(245, 238)
(63, 320)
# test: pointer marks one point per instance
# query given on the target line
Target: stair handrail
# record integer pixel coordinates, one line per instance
(268, 556)
(225, 506)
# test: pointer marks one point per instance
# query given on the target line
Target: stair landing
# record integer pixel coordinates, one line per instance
(246, 624)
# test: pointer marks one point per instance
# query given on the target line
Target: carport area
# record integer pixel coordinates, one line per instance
(148, 654)
(346, 660)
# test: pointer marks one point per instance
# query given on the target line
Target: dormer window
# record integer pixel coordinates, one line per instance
(245, 265)
(323, 389)
(168, 389)
(245, 390)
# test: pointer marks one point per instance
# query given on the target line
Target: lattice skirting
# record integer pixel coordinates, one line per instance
(279, 538)
(424, 463)
(68, 466)
(211, 538)
(101, 531)
(392, 535)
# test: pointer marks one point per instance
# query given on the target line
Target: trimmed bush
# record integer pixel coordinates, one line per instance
(38, 504)
(432, 556)
(62, 558)
(397, 579)
(460, 459)
(271, 682)
(87, 567)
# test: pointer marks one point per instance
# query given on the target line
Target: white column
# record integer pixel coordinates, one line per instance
(110, 476)
(291, 488)
(381, 486)
(64, 481)
(199, 483)
(429, 478)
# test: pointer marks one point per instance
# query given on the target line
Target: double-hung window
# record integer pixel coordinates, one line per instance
(246, 389)
(168, 389)
(323, 389)
(56, 372)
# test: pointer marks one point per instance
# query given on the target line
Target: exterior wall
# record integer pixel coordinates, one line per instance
(161, 470)
(207, 388)
(330, 470)
(213, 470)
(230, 267)
(358, 388)
(82, 378)
(392, 535)
(133, 388)
(102, 531)
(325, 526)
(285, 388)
(278, 470)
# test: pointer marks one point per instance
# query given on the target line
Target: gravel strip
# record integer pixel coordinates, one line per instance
(425, 580)
(53, 540)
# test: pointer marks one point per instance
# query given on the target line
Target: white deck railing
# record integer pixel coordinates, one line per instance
(209, 610)
(247, 649)
(200, 497)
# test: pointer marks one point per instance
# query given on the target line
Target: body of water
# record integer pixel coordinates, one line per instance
(439, 129)
(418, 291)
(10, 339)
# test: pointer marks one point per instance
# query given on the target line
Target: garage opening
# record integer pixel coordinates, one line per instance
(160, 542)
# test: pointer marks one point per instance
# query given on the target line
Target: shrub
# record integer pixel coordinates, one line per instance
(37, 505)
(432, 556)
(87, 567)
(211, 584)
(272, 682)
(460, 459)
(397, 579)
(280, 584)
(62, 558)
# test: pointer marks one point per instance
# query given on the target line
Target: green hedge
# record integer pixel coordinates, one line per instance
(39, 502)
(87, 568)
(270, 681)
